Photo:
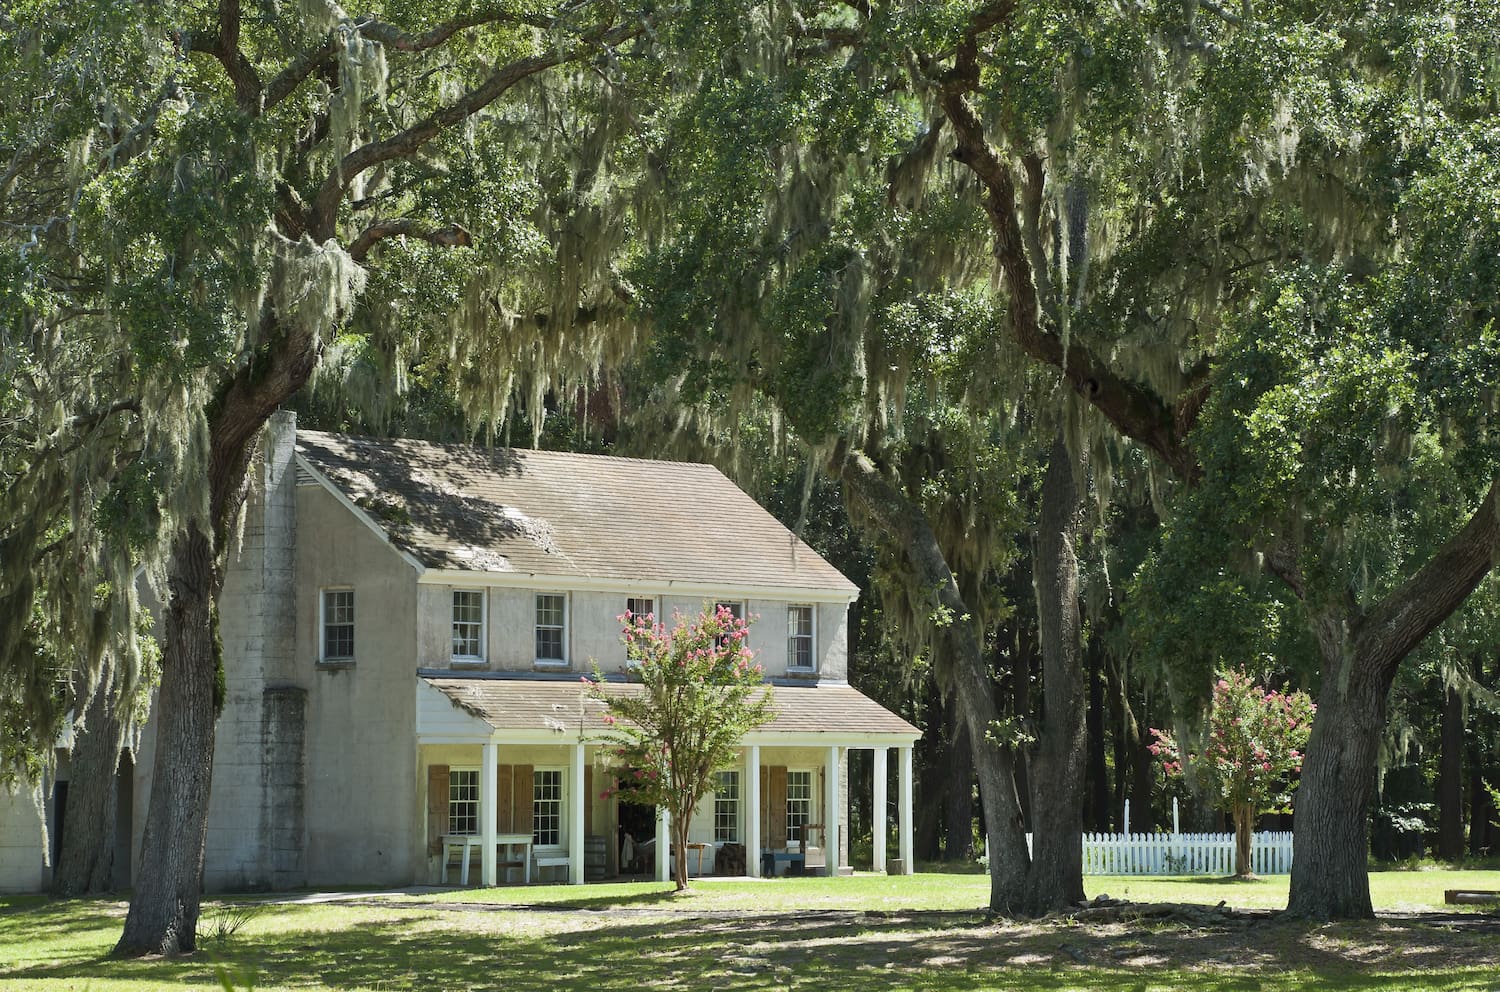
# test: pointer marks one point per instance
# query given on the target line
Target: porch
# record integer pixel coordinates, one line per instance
(516, 778)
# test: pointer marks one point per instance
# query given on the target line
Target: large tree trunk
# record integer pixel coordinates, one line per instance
(85, 865)
(163, 915)
(681, 826)
(958, 819)
(1330, 868)
(1021, 710)
(1450, 790)
(1055, 880)
(960, 667)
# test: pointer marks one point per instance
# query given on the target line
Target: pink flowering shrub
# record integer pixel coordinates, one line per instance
(1250, 756)
(702, 691)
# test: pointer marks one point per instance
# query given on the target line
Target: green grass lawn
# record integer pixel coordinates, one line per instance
(867, 932)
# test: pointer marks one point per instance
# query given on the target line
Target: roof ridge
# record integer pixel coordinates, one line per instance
(470, 446)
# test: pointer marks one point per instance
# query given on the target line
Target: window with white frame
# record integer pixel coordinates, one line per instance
(640, 606)
(799, 637)
(727, 806)
(798, 803)
(468, 624)
(338, 624)
(463, 801)
(551, 627)
(736, 610)
(546, 807)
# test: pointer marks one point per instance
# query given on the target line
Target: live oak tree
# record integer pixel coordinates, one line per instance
(701, 693)
(202, 201)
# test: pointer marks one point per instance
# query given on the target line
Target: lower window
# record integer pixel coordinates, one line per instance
(463, 801)
(546, 807)
(727, 806)
(798, 803)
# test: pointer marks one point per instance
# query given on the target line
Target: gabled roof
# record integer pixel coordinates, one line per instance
(551, 513)
(554, 705)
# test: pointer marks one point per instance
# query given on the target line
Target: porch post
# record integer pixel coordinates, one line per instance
(878, 814)
(831, 816)
(752, 810)
(663, 844)
(578, 802)
(487, 805)
(907, 865)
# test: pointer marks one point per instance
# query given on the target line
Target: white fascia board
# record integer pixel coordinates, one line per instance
(631, 587)
(831, 738)
(359, 514)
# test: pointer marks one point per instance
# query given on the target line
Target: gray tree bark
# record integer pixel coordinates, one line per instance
(1055, 879)
(85, 864)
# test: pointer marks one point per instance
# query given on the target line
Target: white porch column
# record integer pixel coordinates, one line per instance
(487, 805)
(663, 844)
(752, 810)
(878, 817)
(908, 866)
(577, 803)
(831, 818)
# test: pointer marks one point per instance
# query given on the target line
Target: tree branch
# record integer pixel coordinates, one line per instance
(225, 46)
(405, 143)
(400, 40)
(1136, 411)
(444, 235)
(1399, 622)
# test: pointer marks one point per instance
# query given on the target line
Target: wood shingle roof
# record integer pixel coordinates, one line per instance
(567, 515)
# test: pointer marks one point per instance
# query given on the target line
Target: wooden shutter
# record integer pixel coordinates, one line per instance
(776, 803)
(765, 806)
(437, 807)
(505, 804)
(525, 789)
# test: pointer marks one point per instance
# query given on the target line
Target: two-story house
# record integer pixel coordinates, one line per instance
(405, 625)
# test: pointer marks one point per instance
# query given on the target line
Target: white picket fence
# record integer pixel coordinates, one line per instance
(1183, 854)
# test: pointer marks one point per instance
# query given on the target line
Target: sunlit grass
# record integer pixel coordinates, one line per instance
(866, 932)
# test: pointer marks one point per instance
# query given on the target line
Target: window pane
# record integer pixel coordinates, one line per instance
(549, 628)
(463, 801)
(727, 806)
(468, 623)
(798, 803)
(338, 623)
(799, 644)
(546, 807)
(640, 607)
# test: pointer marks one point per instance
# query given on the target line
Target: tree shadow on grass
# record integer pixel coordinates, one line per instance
(424, 948)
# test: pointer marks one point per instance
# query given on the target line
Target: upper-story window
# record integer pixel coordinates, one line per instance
(799, 638)
(639, 607)
(338, 625)
(736, 610)
(468, 624)
(551, 628)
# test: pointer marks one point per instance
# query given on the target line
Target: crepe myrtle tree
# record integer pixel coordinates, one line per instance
(1252, 748)
(702, 693)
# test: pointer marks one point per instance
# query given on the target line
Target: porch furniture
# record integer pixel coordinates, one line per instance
(504, 845)
(700, 849)
(770, 859)
(730, 860)
(813, 857)
(550, 861)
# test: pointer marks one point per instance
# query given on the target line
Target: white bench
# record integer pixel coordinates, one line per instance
(550, 861)
(504, 843)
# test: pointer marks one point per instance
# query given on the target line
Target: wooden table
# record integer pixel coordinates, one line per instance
(702, 849)
(503, 845)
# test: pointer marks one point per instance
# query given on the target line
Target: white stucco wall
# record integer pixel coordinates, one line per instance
(21, 842)
(363, 814)
(592, 634)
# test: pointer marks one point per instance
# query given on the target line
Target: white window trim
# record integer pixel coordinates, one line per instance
(484, 627)
(739, 807)
(323, 658)
(563, 816)
(479, 802)
(567, 630)
(656, 609)
(812, 801)
(791, 666)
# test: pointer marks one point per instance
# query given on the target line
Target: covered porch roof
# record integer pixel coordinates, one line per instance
(522, 707)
